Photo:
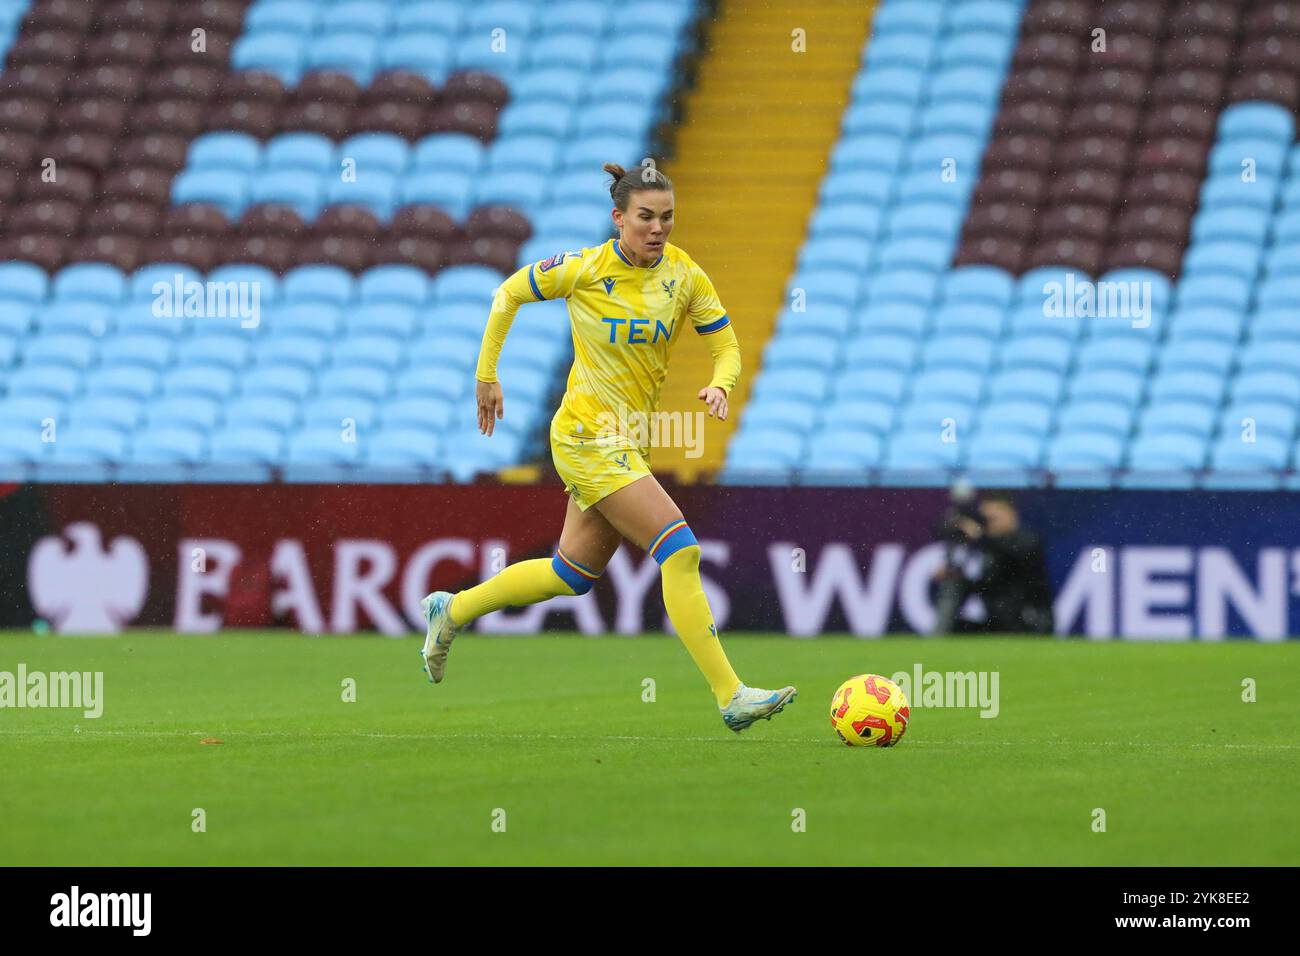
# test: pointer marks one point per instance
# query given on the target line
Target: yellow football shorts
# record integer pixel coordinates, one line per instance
(592, 469)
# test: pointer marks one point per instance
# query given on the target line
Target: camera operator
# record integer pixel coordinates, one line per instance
(1012, 579)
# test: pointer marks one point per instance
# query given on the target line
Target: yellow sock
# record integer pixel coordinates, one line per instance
(679, 566)
(525, 582)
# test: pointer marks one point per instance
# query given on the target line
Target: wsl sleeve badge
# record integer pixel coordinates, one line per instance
(558, 259)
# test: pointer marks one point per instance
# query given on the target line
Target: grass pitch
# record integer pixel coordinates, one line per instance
(553, 731)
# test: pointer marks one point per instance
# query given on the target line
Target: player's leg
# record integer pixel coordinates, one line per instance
(644, 513)
(586, 545)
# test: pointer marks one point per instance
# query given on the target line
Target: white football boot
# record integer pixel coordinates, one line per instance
(749, 704)
(439, 634)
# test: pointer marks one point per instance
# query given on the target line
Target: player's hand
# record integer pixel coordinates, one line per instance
(716, 399)
(491, 405)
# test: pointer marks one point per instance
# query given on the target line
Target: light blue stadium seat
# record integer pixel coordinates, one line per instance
(957, 352)
(1230, 158)
(1178, 417)
(1230, 257)
(298, 350)
(68, 351)
(1266, 386)
(910, 451)
(318, 283)
(824, 287)
(993, 16)
(1264, 418)
(901, 285)
(16, 318)
(1028, 319)
(937, 417)
(894, 85)
(1025, 418)
(969, 318)
(1229, 224)
(1229, 191)
(1107, 417)
(321, 319)
(778, 413)
(204, 380)
(974, 48)
(611, 119)
(801, 352)
(1270, 356)
(929, 186)
(23, 282)
(843, 448)
(123, 380)
(859, 414)
(637, 85)
(286, 16)
(1003, 449)
(1135, 357)
(888, 118)
(942, 384)
(427, 52)
(1276, 324)
(168, 446)
(300, 189)
(1109, 384)
(224, 351)
(348, 51)
(366, 17)
(922, 220)
(1215, 323)
(879, 152)
(450, 191)
(1231, 293)
(880, 351)
(881, 385)
(446, 353)
(283, 381)
(935, 153)
(1203, 387)
(30, 411)
(375, 190)
(842, 253)
(426, 414)
(321, 446)
(1197, 354)
(340, 412)
(59, 382)
(104, 411)
(963, 119)
(262, 412)
(907, 16)
(977, 285)
(1035, 351)
(390, 318)
(278, 52)
(1039, 385)
(359, 380)
(464, 285)
(373, 351)
(237, 152)
(802, 383)
(89, 444)
(22, 445)
(373, 153)
(873, 186)
(966, 84)
(1230, 453)
(447, 153)
(83, 319)
(907, 319)
(1070, 451)
(405, 446)
(1286, 226)
(1267, 121)
(89, 282)
(909, 51)
(1281, 260)
(764, 450)
(193, 412)
(571, 51)
(1278, 292)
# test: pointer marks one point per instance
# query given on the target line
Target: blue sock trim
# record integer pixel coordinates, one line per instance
(674, 536)
(577, 576)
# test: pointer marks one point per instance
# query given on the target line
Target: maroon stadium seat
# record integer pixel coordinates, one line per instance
(252, 85)
(473, 86)
(271, 219)
(1072, 17)
(91, 116)
(200, 252)
(1151, 254)
(48, 252)
(1074, 222)
(35, 80)
(223, 16)
(1204, 18)
(1179, 121)
(182, 117)
(70, 182)
(1039, 84)
(274, 252)
(331, 86)
(1092, 187)
(1029, 117)
(1127, 51)
(474, 119)
(1197, 52)
(1000, 221)
(185, 82)
(407, 120)
(57, 217)
(138, 183)
(499, 222)
(1163, 223)
(332, 120)
(25, 115)
(1019, 152)
(1119, 120)
(1112, 86)
(259, 119)
(1108, 153)
(1009, 185)
(124, 217)
(1131, 16)
(91, 150)
(350, 253)
(49, 47)
(425, 254)
(16, 149)
(117, 81)
(73, 15)
(1179, 155)
(195, 219)
(400, 86)
(128, 47)
(120, 251)
(1049, 50)
(1004, 253)
(1163, 188)
(161, 150)
(147, 15)
(1274, 85)
(179, 49)
(1197, 87)
(1078, 253)
(425, 222)
(347, 222)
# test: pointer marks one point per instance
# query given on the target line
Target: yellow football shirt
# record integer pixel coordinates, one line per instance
(625, 320)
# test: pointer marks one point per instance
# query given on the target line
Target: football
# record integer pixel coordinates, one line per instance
(869, 711)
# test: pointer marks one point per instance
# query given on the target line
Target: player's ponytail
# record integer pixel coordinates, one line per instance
(627, 181)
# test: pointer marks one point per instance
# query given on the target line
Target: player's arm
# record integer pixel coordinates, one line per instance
(711, 321)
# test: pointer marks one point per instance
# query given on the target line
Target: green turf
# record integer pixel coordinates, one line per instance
(554, 731)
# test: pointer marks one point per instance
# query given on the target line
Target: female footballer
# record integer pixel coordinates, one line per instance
(628, 299)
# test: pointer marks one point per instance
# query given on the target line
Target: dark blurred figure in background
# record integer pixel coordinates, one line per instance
(1012, 576)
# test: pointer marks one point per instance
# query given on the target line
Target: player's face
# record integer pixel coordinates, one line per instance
(647, 223)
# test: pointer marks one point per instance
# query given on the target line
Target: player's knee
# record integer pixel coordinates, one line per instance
(673, 538)
(577, 576)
